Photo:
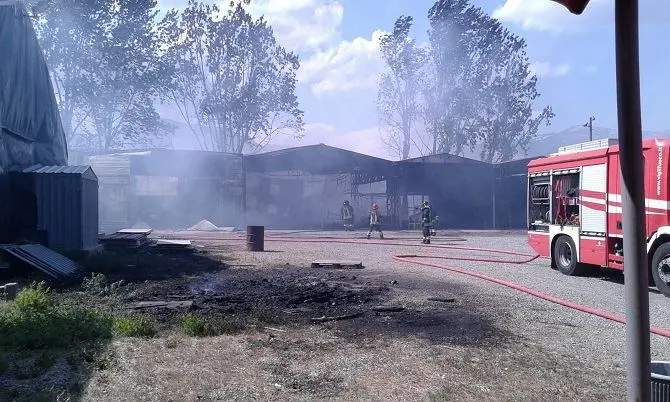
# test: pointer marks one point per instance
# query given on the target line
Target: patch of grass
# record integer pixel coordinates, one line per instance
(194, 325)
(34, 321)
(135, 326)
(265, 314)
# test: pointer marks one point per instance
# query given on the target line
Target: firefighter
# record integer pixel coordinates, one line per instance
(375, 221)
(426, 222)
(347, 212)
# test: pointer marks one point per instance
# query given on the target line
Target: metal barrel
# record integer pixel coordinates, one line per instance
(255, 238)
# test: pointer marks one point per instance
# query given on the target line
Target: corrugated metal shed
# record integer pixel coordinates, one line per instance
(46, 260)
(61, 202)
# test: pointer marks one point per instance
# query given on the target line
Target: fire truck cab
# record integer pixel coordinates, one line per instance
(574, 208)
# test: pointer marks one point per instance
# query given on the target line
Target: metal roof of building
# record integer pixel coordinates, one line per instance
(315, 159)
(57, 169)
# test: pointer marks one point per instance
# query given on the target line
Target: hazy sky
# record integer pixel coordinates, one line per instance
(572, 55)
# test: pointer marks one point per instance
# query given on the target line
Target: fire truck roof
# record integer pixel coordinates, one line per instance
(572, 155)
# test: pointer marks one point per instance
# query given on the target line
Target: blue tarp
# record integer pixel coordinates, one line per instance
(32, 132)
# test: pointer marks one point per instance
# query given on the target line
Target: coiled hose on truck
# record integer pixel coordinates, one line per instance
(522, 258)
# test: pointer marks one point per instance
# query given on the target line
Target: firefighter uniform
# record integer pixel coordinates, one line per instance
(426, 222)
(375, 221)
(347, 212)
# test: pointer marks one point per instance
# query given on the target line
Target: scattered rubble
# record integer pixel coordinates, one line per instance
(389, 309)
(338, 264)
(184, 304)
(121, 240)
(337, 318)
(442, 299)
(173, 245)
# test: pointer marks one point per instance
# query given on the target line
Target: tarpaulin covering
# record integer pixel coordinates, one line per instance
(32, 132)
(30, 127)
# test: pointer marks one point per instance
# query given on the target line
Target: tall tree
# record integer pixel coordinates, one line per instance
(68, 31)
(127, 84)
(482, 92)
(233, 84)
(103, 61)
(398, 100)
(506, 96)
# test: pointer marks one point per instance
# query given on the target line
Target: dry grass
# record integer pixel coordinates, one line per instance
(310, 363)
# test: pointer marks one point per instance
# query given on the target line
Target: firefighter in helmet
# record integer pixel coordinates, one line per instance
(375, 221)
(347, 212)
(426, 222)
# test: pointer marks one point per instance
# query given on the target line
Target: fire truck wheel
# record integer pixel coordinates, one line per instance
(565, 256)
(660, 268)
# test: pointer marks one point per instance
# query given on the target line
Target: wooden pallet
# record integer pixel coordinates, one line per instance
(337, 264)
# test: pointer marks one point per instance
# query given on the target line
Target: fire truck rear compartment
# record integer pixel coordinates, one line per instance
(539, 205)
(564, 198)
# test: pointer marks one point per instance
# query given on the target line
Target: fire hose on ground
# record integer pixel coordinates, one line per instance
(414, 259)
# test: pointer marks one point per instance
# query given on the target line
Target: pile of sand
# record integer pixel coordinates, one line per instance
(204, 226)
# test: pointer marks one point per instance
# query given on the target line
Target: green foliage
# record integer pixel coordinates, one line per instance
(398, 100)
(231, 81)
(34, 321)
(473, 89)
(35, 299)
(483, 92)
(135, 326)
(103, 59)
(98, 284)
(194, 325)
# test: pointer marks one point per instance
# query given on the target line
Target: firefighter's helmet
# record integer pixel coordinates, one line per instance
(375, 206)
(426, 203)
(346, 202)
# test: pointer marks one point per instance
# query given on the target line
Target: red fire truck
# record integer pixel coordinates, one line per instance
(574, 208)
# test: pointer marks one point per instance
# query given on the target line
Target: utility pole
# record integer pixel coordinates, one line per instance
(590, 126)
(636, 285)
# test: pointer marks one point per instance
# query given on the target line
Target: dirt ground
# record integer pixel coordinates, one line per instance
(304, 333)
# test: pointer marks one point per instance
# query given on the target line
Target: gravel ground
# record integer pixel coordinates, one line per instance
(565, 330)
(493, 343)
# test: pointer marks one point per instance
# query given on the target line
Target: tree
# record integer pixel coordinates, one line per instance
(233, 84)
(127, 84)
(400, 88)
(507, 93)
(103, 58)
(68, 30)
(482, 91)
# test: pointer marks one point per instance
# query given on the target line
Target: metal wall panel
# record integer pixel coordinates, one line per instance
(67, 207)
(594, 179)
